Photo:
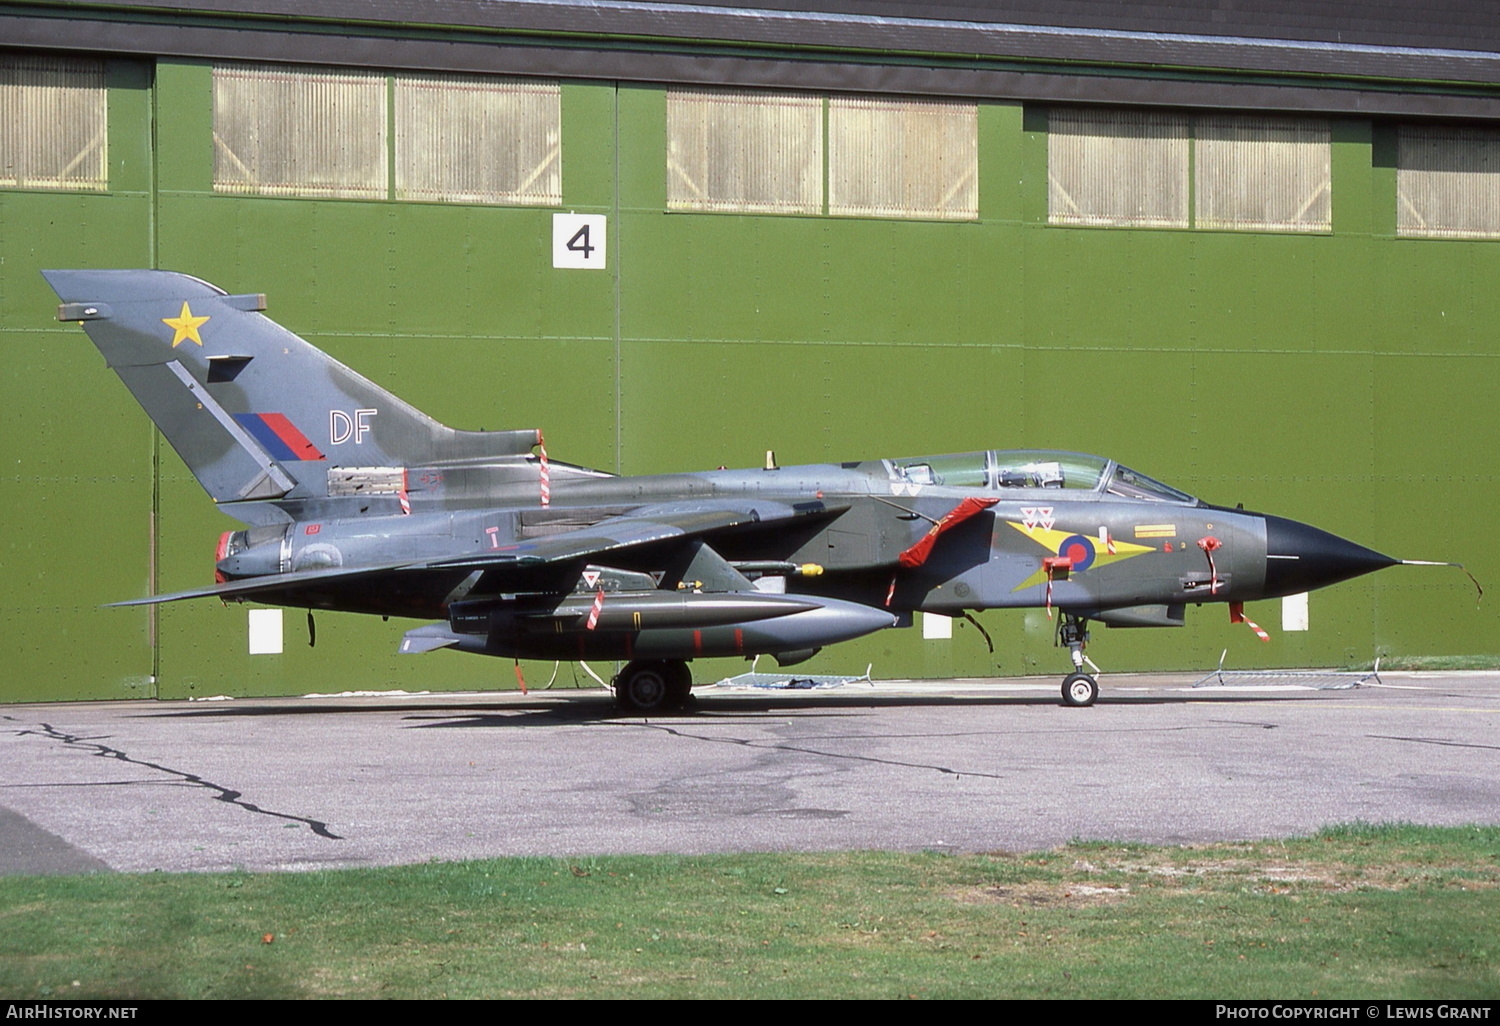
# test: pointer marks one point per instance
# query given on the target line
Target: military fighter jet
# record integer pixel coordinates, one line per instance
(354, 500)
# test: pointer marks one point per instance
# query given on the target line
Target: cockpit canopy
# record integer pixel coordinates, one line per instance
(1036, 469)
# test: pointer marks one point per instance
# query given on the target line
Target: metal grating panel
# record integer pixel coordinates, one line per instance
(472, 139)
(903, 159)
(1448, 183)
(1270, 174)
(284, 132)
(744, 151)
(1117, 168)
(53, 123)
(366, 480)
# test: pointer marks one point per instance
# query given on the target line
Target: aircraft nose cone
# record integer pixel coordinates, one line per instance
(1300, 557)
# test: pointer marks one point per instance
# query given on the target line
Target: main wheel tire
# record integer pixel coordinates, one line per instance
(1079, 689)
(644, 687)
(679, 682)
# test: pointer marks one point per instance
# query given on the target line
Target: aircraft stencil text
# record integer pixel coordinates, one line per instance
(343, 426)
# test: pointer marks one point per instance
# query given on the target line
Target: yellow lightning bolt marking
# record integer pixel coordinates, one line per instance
(185, 326)
(1052, 540)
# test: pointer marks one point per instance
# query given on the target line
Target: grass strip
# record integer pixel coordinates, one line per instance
(1354, 912)
(1433, 663)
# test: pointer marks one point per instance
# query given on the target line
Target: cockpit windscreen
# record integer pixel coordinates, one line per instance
(1032, 469)
(1130, 484)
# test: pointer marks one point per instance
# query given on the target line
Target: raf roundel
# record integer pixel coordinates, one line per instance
(1079, 550)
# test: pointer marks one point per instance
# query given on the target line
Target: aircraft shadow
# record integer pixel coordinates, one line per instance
(600, 707)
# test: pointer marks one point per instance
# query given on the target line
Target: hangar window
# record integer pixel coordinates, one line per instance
(1158, 170)
(53, 124)
(893, 158)
(281, 131)
(1107, 167)
(743, 151)
(285, 132)
(1266, 174)
(1448, 183)
(765, 152)
(477, 139)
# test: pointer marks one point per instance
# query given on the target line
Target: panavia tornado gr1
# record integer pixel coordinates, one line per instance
(354, 500)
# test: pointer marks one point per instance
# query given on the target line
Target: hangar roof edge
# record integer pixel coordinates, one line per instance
(1332, 56)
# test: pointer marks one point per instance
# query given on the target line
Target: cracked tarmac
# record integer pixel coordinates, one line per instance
(952, 765)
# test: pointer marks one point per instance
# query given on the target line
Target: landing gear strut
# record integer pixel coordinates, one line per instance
(649, 685)
(1078, 688)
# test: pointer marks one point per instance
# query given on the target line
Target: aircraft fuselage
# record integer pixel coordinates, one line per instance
(1076, 549)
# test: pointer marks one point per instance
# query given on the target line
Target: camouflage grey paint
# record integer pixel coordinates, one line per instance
(357, 501)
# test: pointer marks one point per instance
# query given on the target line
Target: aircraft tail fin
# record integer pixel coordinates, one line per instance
(256, 412)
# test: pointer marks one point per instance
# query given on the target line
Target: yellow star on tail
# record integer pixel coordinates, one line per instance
(185, 326)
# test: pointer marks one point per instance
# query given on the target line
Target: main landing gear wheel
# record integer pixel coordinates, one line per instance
(679, 683)
(652, 685)
(1079, 689)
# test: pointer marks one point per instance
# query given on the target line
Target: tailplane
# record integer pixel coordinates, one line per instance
(256, 412)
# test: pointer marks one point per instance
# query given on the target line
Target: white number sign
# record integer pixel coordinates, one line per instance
(578, 241)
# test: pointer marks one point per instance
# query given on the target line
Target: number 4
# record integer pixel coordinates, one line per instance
(579, 243)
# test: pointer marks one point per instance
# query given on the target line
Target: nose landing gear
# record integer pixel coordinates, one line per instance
(1078, 688)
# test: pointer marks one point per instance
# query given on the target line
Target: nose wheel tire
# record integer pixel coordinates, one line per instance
(1079, 689)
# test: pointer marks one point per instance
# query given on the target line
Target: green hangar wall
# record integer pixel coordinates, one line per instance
(1343, 375)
